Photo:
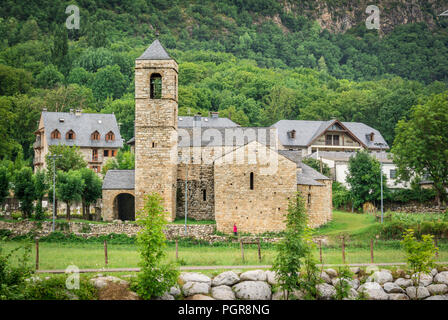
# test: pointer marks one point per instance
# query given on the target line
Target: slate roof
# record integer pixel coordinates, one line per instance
(155, 52)
(83, 125)
(209, 122)
(345, 156)
(305, 174)
(119, 179)
(307, 131)
(215, 137)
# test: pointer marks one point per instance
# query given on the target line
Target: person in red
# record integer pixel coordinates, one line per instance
(235, 230)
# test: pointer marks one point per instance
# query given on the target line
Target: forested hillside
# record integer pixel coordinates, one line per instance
(256, 61)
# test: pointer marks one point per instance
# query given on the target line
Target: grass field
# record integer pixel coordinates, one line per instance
(358, 226)
(91, 255)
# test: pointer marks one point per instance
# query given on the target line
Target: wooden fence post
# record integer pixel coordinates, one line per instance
(242, 249)
(371, 250)
(343, 249)
(320, 251)
(105, 252)
(37, 253)
(177, 254)
(259, 250)
(435, 244)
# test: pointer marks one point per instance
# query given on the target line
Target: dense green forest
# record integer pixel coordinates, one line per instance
(233, 57)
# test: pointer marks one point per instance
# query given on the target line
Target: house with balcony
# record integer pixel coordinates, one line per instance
(97, 135)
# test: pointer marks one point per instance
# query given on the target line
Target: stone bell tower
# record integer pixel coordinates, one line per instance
(156, 127)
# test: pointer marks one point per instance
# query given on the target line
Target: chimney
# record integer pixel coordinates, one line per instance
(71, 111)
(78, 112)
(44, 109)
(197, 120)
(215, 115)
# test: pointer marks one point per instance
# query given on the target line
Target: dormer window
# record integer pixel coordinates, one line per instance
(292, 134)
(56, 134)
(95, 136)
(155, 86)
(372, 135)
(70, 135)
(110, 136)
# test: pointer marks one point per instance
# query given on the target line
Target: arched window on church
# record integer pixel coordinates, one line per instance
(110, 136)
(70, 135)
(56, 134)
(156, 86)
(95, 136)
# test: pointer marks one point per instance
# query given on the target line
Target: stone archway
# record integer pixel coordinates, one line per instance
(124, 207)
(110, 203)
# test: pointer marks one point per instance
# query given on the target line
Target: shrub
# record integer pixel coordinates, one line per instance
(155, 278)
(341, 195)
(12, 278)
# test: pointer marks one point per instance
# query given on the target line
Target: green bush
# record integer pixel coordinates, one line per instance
(12, 277)
(55, 289)
(341, 195)
(415, 194)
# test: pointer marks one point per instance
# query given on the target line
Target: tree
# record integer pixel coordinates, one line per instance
(293, 247)
(421, 144)
(91, 192)
(69, 188)
(125, 160)
(317, 165)
(59, 50)
(49, 77)
(364, 176)
(154, 278)
(420, 255)
(41, 187)
(71, 158)
(24, 190)
(4, 184)
(109, 82)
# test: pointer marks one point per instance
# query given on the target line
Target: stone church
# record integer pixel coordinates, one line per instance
(209, 168)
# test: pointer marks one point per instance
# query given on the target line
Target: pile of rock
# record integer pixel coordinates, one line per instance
(260, 284)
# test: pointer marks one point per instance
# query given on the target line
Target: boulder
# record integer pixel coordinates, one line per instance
(421, 293)
(228, 278)
(223, 293)
(325, 277)
(271, 277)
(166, 296)
(175, 291)
(445, 297)
(297, 294)
(101, 282)
(373, 291)
(403, 283)
(253, 275)
(381, 277)
(425, 279)
(391, 287)
(355, 270)
(331, 272)
(194, 277)
(398, 296)
(354, 283)
(326, 291)
(436, 289)
(352, 294)
(441, 277)
(199, 297)
(433, 272)
(191, 288)
(252, 290)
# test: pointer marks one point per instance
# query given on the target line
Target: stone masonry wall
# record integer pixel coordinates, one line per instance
(110, 211)
(255, 211)
(200, 180)
(156, 134)
(319, 207)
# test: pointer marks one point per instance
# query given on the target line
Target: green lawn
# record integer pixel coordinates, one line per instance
(91, 255)
(354, 224)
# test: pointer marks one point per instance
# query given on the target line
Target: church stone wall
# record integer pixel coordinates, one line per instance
(262, 209)
(109, 210)
(318, 201)
(200, 189)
